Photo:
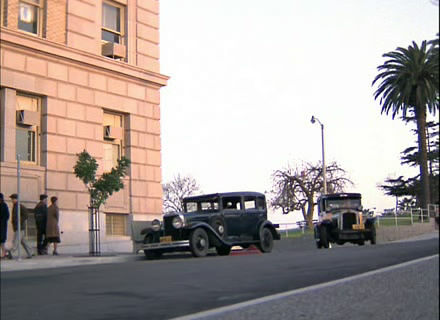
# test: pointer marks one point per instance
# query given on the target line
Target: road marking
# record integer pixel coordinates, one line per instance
(237, 306)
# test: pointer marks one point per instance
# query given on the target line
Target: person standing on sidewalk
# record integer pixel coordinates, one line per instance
(41, 221)
(23, 218)
(52, 228)
(4, 217)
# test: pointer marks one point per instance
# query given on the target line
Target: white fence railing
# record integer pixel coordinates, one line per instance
(414, 215)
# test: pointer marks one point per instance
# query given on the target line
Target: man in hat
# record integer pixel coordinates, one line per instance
(40, 221)
(4, 217)
(23, 218)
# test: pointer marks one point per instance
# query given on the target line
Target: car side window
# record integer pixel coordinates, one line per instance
(261, 203)
(231, 203)
(250, 203)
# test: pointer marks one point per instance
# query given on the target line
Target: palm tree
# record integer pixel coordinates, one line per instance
(410, 81)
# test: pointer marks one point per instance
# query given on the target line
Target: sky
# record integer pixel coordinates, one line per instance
(246, 76)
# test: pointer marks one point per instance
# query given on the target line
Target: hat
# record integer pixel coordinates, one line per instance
(43, 196)
(14, 196)
(1, 196)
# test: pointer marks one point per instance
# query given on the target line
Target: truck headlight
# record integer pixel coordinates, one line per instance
(155, 225)
(177, 222)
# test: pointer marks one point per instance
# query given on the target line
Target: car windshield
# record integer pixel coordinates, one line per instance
(332, 204)
(202, 206)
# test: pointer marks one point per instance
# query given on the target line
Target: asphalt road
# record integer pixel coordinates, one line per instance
(179, 285)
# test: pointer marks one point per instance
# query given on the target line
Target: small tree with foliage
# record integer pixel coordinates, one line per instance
(100, 189)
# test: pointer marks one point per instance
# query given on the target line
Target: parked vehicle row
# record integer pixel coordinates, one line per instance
(225, 220)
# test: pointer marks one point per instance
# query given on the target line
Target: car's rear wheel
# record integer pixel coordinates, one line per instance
(151, 254)
(373, 234)
(199, 242)
(323, 237)
(361, 242)
(223, 250)
(266, 241)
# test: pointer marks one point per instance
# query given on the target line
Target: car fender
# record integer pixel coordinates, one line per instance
(370, 221)
(210, 230)
(271, 226)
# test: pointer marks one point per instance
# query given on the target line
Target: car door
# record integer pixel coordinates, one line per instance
(231, 211)
(250, 217)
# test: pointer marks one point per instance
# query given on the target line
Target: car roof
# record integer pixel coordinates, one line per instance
(340, 195)
(224, 194)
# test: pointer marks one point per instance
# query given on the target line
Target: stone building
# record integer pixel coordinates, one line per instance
(81, 75)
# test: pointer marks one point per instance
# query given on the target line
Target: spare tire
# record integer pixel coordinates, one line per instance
(219, 225)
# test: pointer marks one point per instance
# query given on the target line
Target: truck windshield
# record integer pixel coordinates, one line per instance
(345, 203)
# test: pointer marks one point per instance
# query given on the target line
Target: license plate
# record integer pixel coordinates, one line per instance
(166, 239)
(358, 226)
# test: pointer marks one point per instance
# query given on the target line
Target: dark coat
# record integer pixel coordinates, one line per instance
(41, 215)
(23, 217)
(53, 216)
(4, 217)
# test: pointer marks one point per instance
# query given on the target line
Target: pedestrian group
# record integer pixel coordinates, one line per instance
(46, 221)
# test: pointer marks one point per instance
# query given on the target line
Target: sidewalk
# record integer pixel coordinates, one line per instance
(66, 260)
(82, 259)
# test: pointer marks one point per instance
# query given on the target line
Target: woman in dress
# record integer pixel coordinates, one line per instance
(52, 228)
(4, 217)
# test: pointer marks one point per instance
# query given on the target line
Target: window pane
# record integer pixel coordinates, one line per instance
(28, 18)
(110, 37)
(111, 155)
(115, 224)
(111, 17)
(25, 144)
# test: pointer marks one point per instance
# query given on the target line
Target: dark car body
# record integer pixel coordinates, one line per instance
(220, 220)
(341, 220)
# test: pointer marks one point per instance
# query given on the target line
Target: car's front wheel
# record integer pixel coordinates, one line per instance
(266, 241)
(151, 254)
(223, 250)
(199, 242)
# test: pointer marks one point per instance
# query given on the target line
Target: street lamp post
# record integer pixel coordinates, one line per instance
(324, 171)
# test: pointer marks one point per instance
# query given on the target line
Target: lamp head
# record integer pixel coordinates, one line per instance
(313, 119)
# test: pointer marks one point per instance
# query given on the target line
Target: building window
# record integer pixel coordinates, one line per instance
(30, 16)
(113, 139)
(112, 22)
(116, 224)
(27, 127)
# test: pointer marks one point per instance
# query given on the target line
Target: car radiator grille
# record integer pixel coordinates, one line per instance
(169, 229)
(348, 220)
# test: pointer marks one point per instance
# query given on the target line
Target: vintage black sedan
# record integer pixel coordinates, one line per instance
(220, 221)
(341, 220)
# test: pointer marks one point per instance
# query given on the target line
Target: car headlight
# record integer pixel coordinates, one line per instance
(155, 225)
(177, 222)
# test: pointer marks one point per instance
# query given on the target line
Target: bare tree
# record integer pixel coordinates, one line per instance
(177, 189)
(297, 188)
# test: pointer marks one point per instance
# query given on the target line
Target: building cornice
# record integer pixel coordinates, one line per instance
(62, 52)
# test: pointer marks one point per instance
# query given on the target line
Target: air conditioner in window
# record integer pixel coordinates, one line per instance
(111, 132)
(113, 50)
(27, 117)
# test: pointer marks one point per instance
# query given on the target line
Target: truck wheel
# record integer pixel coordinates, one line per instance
(199, 242)
(266, 241)
(317, 240)
(361, 243)
(373, 234)
(323, 237)
(223, 250)
(151, 254)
